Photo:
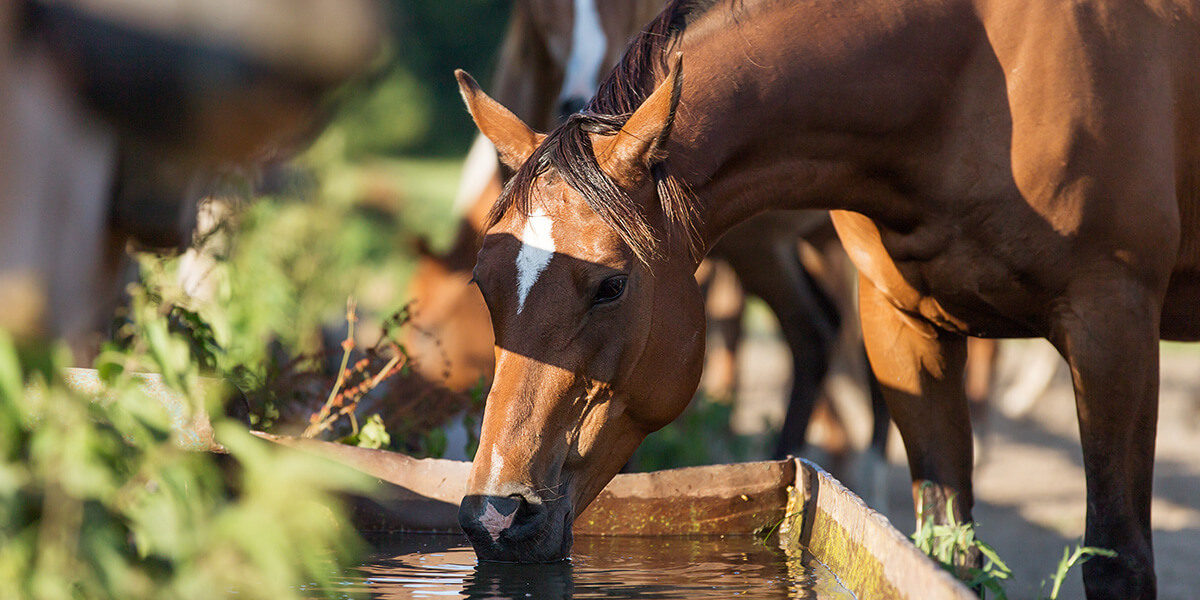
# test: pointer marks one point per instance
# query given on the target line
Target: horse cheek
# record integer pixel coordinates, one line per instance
(668, 372)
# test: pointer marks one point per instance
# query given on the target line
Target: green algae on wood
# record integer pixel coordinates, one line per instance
(870, 557)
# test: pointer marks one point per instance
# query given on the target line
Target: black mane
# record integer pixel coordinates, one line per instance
(568, 149)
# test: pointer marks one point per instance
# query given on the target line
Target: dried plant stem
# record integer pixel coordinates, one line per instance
(345, 401)
(319, 423)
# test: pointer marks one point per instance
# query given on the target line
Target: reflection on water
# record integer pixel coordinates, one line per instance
(425, 566)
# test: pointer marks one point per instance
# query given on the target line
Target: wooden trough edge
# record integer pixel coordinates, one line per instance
(423, 495)
(870, 557)
(814, 512)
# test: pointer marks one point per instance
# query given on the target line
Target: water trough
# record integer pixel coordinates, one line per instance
(813, 512)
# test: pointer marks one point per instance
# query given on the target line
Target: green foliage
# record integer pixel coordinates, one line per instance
(411, 106)
(98, 500)
(1069, 560)
(390, 117)
(951, 543)
(373, 434)
(433, 39)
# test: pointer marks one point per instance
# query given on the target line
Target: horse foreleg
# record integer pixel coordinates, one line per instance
(1110, 339)
(920, 371)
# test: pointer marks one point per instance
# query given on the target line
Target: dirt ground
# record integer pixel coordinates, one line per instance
(1029, 482)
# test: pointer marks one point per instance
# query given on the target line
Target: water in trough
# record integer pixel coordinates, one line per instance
(444, 566)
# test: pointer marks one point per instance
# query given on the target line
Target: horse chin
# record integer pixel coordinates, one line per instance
(510, 530)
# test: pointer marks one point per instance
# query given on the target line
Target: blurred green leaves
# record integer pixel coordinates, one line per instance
(411, 106)
(98, 501)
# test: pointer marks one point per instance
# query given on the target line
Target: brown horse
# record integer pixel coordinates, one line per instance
(548, 68)
(995, 168)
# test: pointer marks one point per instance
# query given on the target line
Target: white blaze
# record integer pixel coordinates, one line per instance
(588, 45)
(537, 247)
(497, 467)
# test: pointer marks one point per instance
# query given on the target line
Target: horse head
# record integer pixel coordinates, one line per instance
(599, 332)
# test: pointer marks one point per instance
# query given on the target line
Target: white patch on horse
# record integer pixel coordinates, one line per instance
(497, 467)
(537, 248)
(480, 167)
(495, 522)
(588, 44)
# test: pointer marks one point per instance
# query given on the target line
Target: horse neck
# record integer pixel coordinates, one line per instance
(788, 105)
(526, 79)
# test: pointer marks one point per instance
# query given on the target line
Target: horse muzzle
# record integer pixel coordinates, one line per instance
(517, 528)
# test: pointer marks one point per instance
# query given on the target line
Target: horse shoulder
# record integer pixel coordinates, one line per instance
(863, 242)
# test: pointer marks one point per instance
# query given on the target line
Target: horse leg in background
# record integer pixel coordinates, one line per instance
(725, 305)
(981, 366)
(919, 370)
(873, 473)
(769, 267)
(980, 377)
(1031, 372)
(1109, 335)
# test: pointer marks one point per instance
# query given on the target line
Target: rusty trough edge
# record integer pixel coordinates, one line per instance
(870, 557)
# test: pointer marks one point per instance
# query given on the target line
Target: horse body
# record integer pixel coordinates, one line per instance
(996, 169)
(547, 69)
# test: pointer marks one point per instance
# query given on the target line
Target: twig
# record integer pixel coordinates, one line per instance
(317, 425)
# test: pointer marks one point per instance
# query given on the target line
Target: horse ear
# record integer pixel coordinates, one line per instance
(514, 140)
(640, 142)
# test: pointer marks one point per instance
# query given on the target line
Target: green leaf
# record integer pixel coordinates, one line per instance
(11, 381)
(373, 434)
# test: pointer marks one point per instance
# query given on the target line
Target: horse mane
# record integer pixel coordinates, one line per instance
(568, 152)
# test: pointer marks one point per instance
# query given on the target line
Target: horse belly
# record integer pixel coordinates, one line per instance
(1181, 311)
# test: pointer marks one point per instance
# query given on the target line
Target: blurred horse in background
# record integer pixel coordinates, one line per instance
(549, 64)
(108, 109)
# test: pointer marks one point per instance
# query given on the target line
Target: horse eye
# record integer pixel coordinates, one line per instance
(610, 289)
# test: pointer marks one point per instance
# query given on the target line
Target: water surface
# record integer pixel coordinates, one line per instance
(432, 566)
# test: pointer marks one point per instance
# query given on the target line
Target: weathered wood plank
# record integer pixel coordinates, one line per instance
(871, 558)
(714, 500)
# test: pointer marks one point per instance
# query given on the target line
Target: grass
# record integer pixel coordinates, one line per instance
(951, 543)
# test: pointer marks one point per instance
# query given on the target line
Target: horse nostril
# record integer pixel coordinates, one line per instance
(493, 515)
(520, 527)
(570, 106)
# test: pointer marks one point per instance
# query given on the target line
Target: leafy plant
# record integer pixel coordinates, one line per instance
(1069, 561)
(99, 501)
(950, 544)
(373, 434)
